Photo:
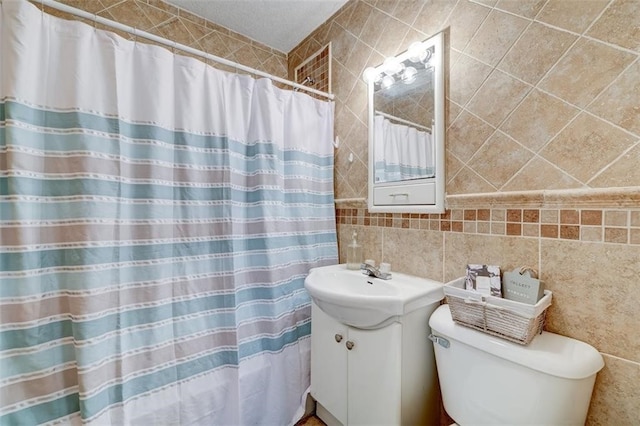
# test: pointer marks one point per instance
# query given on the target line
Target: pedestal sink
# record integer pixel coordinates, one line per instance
(365, 302)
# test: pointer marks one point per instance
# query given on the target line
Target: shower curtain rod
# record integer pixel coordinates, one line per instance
(403, 121)
(139, 33)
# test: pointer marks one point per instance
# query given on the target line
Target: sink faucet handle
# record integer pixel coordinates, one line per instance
(367, 267)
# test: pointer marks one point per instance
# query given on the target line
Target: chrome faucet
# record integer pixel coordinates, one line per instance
(372, 271)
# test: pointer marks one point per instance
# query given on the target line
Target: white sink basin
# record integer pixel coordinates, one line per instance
(366, 302)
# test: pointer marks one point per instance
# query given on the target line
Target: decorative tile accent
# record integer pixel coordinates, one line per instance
(566, 224)
(569, 216)
(549, 216)
(531, 216)
(569, 232)
(514, 215)
(591, 233)
(317, 67)
(514, 229)
(615, 218)
(549, 231)
(530, 230)
(616, 235)
(591, 217)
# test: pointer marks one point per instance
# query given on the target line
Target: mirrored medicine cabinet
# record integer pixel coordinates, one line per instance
(406, 130)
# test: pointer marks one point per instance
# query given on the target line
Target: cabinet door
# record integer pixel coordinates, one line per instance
(374, 373)
(329, 363)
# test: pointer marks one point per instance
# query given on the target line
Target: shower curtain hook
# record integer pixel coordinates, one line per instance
(95, 21)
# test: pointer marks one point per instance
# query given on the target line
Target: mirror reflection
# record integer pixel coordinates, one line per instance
(403, 107)
(406, 130)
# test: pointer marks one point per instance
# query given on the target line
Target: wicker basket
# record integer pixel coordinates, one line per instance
(514, 321)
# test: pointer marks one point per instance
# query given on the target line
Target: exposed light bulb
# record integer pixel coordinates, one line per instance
(370, 74)
(409, 75)
(416, 52)
(387, 81)
(392, 65)
(427, 58)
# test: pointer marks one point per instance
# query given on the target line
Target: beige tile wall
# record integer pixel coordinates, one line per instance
(543, 95)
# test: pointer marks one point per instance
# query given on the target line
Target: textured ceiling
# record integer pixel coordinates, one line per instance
(280, 24)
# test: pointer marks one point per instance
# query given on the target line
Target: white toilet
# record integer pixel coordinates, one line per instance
(486, 380)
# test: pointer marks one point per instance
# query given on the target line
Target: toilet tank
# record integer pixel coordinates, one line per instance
(488, 380)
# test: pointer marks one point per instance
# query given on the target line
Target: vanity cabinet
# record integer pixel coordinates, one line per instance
(382, 376)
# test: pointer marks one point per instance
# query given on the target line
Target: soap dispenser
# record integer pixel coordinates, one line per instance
(354, 253)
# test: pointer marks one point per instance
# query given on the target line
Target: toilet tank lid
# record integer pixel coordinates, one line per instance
(549, 353)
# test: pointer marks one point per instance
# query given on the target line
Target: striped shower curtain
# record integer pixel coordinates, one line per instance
(158, 218)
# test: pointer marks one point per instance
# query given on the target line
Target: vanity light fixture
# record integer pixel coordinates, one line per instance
(409, 75)
(396, 69)
(392, 66)
(387, 81)
(371, 74)
(417, 52)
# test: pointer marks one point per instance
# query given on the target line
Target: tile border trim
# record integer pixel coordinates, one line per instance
(607, 197)
(606, 216)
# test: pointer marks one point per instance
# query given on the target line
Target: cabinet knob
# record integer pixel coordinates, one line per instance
(338, 338)
(350, 344)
